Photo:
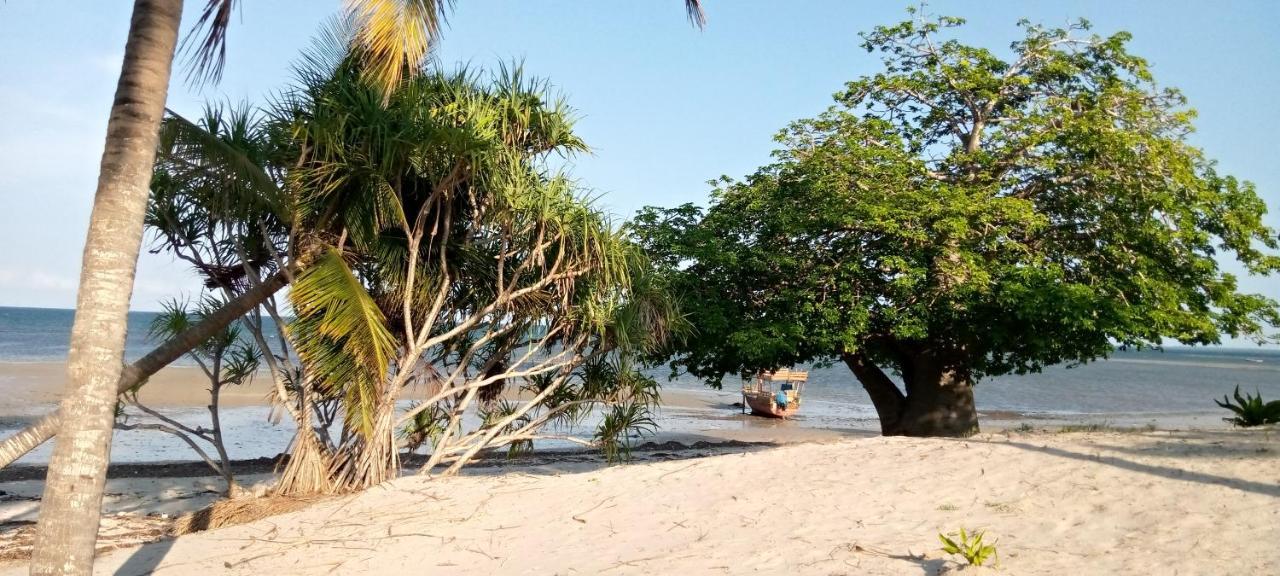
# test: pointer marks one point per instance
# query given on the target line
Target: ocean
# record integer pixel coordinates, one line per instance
(1131, 386)
(43, 334)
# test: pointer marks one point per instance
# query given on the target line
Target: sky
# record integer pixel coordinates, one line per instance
(665, 107)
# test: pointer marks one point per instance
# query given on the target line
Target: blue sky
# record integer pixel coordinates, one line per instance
(666, 107)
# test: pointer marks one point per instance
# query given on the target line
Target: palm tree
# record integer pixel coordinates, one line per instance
(72, 502)
(394, 32)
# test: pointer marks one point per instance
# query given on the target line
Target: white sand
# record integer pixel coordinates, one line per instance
(1101, 503)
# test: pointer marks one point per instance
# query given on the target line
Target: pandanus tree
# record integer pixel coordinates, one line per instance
(226, 359)
(252, 202)
(962, 215)
(454, 260)
(431, 249)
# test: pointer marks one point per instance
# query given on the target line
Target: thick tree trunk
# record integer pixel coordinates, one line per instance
(938, 400)
(885, 395)
(71, 507)
(940, 403)
(19, 444)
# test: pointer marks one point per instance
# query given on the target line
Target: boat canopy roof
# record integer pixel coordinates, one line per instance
(785, 376)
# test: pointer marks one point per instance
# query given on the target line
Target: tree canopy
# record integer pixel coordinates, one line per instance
(991, 214)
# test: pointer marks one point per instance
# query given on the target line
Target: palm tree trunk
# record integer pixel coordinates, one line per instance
(14, 447)
(71, 507)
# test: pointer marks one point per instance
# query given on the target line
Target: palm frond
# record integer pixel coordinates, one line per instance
(396, 36)
(206, 43)
(694, 10)
(341, 335)
(222, 150)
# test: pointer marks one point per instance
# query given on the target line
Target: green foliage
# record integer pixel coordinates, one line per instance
(492, 415)
(226, 356)
(1250, 410)
(611, 385)
(629, 397)
(218, 199)
(1001, 214)
(444, 236)
(969, 547)
(622, 424)
(340, 334)
(425, 427)
(431, 234)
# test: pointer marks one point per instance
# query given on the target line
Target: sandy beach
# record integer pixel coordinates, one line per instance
(1079, 503)
(716, 493)
(804, 498)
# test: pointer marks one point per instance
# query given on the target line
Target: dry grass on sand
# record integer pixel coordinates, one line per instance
(1096, 503)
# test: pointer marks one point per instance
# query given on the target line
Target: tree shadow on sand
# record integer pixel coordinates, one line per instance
(1262, 488)
(146, 559)
(931, 566)
(1198, 444)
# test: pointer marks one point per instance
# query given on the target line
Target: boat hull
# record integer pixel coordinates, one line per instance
(762, 404)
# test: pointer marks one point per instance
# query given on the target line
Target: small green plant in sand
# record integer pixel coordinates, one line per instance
(1250, 410)
(969, 547)
(1106, 426)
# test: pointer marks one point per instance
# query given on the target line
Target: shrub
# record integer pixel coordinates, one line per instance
(1250, 410)
(969, 547)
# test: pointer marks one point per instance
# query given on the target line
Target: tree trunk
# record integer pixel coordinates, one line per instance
(938, 400)
(885, 395)
(307, 469)
(71, 507)
(14, 447)
(372, 456)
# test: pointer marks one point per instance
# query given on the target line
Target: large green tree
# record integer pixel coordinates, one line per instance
(962, 214)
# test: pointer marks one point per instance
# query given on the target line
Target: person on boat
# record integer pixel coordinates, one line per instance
(781, 399)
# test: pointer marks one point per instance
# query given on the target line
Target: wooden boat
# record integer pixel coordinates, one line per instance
(761, 394)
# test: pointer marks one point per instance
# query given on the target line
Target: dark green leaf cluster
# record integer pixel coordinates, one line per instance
(217, 198)
(1250, 410)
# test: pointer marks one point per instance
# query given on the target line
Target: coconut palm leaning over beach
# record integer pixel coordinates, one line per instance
(395, 32)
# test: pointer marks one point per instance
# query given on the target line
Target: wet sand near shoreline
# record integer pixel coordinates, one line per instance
(33, 387)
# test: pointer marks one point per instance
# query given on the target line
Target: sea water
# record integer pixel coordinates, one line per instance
(1128, 385)
(43, 335)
